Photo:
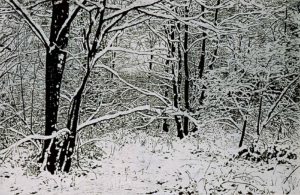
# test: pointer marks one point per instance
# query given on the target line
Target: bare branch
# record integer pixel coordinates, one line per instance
(36, 28)
(112, 116)
(35, 136)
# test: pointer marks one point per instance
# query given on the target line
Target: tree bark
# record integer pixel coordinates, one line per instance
(216, 50)
(243, 133)
(73, 116)
(187, 76)
(55, 64)
(202, 62)
(114, 56)
(259, 115)
(175, 84)
(67, 150)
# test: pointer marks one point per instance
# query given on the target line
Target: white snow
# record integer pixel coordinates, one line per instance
(144, 164)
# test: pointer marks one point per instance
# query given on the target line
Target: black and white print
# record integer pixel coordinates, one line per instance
(149, 97)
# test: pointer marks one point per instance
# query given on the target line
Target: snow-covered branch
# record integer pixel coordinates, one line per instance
(35, 137)
(130, 23)
(143, 91)
(68, 22)
(275, 104)
(135, 5)
(106, 49)
(113, 116)
(36, 28)
(125, 50)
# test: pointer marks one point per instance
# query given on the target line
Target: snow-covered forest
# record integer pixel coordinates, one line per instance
(149, 97)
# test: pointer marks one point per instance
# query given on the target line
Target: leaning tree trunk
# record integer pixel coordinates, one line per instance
(55, 63)
(69, 143)
(65, 155)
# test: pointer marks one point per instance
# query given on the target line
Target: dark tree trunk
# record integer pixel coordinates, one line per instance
(202, 56)
(176, 105)
(175, 84)
(171, 34)
(259, 115)
(243, 133)
(166, 93)
(187, 76)
(165, 126)
(216, 50)
(73, 116)
(114, 55)
(55, 64)
(151, 63)
(286, 17)
(150, 66)
(202, 62)
(113, 64)
(65, 157)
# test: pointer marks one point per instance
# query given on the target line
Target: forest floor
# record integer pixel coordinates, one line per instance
(202, 163)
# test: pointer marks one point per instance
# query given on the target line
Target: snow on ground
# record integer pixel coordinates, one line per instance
(199, 164)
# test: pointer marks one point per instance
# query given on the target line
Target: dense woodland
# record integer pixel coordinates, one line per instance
(214, 76)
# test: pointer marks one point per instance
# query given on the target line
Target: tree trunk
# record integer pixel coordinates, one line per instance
(175, 84)
(259, 115)
(55, 63)
(166, 93)
(176, 105)
(216, 50)
(67, 150)
(187, 76)
(73, 116)
(175, 89)
(243, 133)
(114, 56)
(202, 62)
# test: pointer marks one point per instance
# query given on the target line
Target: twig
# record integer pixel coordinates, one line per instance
(290, 174)
(243, 183)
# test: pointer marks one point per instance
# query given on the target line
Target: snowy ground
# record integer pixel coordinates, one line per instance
(200, 164)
